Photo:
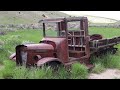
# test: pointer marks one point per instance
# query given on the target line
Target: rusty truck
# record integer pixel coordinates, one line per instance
(66, 47)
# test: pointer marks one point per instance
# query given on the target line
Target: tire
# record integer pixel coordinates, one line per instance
(54, 65)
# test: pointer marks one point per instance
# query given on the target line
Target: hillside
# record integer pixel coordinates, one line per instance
(97, 19)
(91, 18)
(30, 17)
(27, 17)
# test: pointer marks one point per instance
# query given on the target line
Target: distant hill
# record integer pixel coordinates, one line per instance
(97, 19)
(27, 17)
(30, 17)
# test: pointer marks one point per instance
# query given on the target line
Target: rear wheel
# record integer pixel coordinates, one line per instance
(114, 50)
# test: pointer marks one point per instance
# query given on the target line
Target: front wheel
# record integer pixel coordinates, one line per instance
(54, 65)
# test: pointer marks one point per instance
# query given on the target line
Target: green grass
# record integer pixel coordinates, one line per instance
(79, 71)
(33, 73)
(106, 32)
(99, 67)
(107, 61)
(10, 71)
(9, 41)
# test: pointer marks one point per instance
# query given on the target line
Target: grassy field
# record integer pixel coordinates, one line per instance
(8, 68)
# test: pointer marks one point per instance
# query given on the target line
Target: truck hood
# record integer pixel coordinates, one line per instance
(39, 46)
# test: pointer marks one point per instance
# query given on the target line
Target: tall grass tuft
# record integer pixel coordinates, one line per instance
(20, 72)
(32, 73)
(62, 73)
(79, 71)
(111, 61)
(40, 73)
(7, 72)
(106, 61)
(99, 67)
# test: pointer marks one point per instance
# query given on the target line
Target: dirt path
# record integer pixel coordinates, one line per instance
(108, 74)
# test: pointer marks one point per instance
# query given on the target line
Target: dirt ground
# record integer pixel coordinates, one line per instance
(108, 74)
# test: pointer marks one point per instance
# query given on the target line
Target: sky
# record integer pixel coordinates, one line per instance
(107, 14)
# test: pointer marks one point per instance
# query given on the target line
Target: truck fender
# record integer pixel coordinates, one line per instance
(13, 57)
(47, 60)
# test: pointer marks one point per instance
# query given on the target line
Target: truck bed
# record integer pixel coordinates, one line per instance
(95, 45)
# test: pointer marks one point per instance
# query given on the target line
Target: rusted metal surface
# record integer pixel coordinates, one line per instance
(95, 37)
(39, 46)
(28, 54)
(13, 56)
(46, 60)
(60, 47)
(77, 42)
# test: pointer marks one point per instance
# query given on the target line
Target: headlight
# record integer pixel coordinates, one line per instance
(37, 57)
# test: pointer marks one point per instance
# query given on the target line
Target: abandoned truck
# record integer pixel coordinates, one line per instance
(67, 47)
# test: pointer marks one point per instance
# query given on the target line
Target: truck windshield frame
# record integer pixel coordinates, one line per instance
(56, 32)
